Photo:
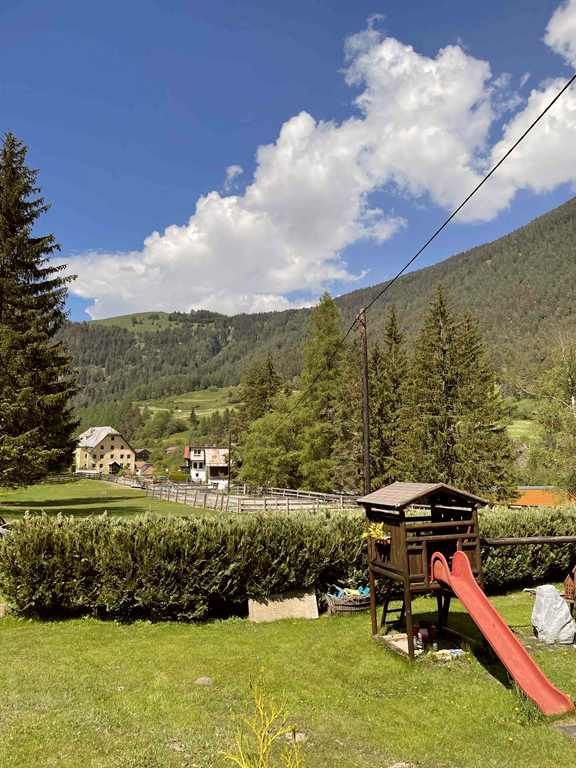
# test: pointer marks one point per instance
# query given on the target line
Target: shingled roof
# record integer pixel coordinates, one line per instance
(400, 495)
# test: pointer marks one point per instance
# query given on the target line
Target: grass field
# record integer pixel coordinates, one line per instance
(107, 695)
(524, 430)
(139, 322)
(206, 401)
(84, 497)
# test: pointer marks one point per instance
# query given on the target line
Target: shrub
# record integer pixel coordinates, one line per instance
(522, 565)
(177, 476)
(171, 568)
(200, 568)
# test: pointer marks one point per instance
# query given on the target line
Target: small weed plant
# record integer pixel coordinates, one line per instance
(264, 738)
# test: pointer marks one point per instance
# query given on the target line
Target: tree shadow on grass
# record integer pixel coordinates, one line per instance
(111, 510)
(84, 501)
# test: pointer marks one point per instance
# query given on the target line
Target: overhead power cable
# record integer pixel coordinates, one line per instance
(435, 234)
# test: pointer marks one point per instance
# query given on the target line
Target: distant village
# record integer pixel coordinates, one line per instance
(105, 451)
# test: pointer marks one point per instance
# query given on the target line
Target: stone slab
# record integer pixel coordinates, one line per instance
(296, 605)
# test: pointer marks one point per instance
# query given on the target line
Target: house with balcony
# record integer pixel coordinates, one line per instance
(207, 465)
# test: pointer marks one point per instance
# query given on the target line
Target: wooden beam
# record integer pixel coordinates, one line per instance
(513, 540)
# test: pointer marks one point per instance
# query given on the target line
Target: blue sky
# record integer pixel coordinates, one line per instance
(133, 111)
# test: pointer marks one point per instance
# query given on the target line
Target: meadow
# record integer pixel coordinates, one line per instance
(82, 498)
(111, 695)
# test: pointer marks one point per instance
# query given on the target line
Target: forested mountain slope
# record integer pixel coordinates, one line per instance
(521, 287)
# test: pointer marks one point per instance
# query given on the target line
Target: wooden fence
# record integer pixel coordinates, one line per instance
(241, 499)
(238, 502)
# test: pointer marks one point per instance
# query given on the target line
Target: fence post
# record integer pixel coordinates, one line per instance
(238, 509)
(205, 499)
(265, 504)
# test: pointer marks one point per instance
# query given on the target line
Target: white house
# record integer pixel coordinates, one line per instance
(207, 465)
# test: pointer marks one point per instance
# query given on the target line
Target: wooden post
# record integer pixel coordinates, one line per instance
(373, 614)
(365, 399)
(264, 503)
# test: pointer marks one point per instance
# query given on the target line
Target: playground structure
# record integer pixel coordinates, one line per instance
(425, 528)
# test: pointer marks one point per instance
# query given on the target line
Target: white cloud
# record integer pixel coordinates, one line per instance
(423, 125)
(232, 173)
(561, 32)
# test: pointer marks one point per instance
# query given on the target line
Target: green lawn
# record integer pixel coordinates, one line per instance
(84, 497)
(107, 695)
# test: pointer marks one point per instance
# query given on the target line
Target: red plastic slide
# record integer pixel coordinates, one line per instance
(505, 644)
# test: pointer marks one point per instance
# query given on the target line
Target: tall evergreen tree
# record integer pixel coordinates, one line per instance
(348, 450)
(323, 361)
(269, 450)
(388, 385)
(36, 381)
(552, 457)
(259, 385)
(454, 421)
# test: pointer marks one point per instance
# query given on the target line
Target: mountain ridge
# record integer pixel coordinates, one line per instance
(520, 287)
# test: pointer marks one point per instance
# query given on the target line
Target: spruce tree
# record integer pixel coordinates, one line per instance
(36, 382)
(388, 384)
(454, 420)
(258, 388)
(484, 454)
(323, 361)
(348, 450)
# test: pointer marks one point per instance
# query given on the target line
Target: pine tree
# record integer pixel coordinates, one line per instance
(552, 457)
(36, 382)
(348, 451)
(454, 419)
(323, 361)
(388, 384)
(258, 387)
(484, 453)
(269, 451)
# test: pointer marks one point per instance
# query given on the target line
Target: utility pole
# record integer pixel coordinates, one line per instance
(365, 398)
(229, 459)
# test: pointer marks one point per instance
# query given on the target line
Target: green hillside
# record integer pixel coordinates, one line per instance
(520, 287)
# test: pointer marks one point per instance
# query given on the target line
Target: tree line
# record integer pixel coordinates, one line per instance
(436, 412)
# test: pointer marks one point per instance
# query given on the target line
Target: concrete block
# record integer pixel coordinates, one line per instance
(293, 605)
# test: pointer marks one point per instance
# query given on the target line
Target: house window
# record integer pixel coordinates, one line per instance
(101, 466)
(121, 455)
(121, 446)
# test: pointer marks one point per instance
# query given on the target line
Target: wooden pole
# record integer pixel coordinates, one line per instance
(229, 459)
(365, 398)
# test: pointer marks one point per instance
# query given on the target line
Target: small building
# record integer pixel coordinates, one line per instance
(144, 469)
(104, 449)
(207, 464)
(142, 454)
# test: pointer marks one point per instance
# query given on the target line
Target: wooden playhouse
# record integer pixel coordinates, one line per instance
(417, 519)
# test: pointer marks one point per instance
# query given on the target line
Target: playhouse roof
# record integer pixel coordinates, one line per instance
(400, 495)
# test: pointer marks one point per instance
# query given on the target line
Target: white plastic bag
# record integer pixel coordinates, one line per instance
(551, 616)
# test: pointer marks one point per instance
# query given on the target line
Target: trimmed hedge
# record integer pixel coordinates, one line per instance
(171, 568)
(200, 568)
(524, 565)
